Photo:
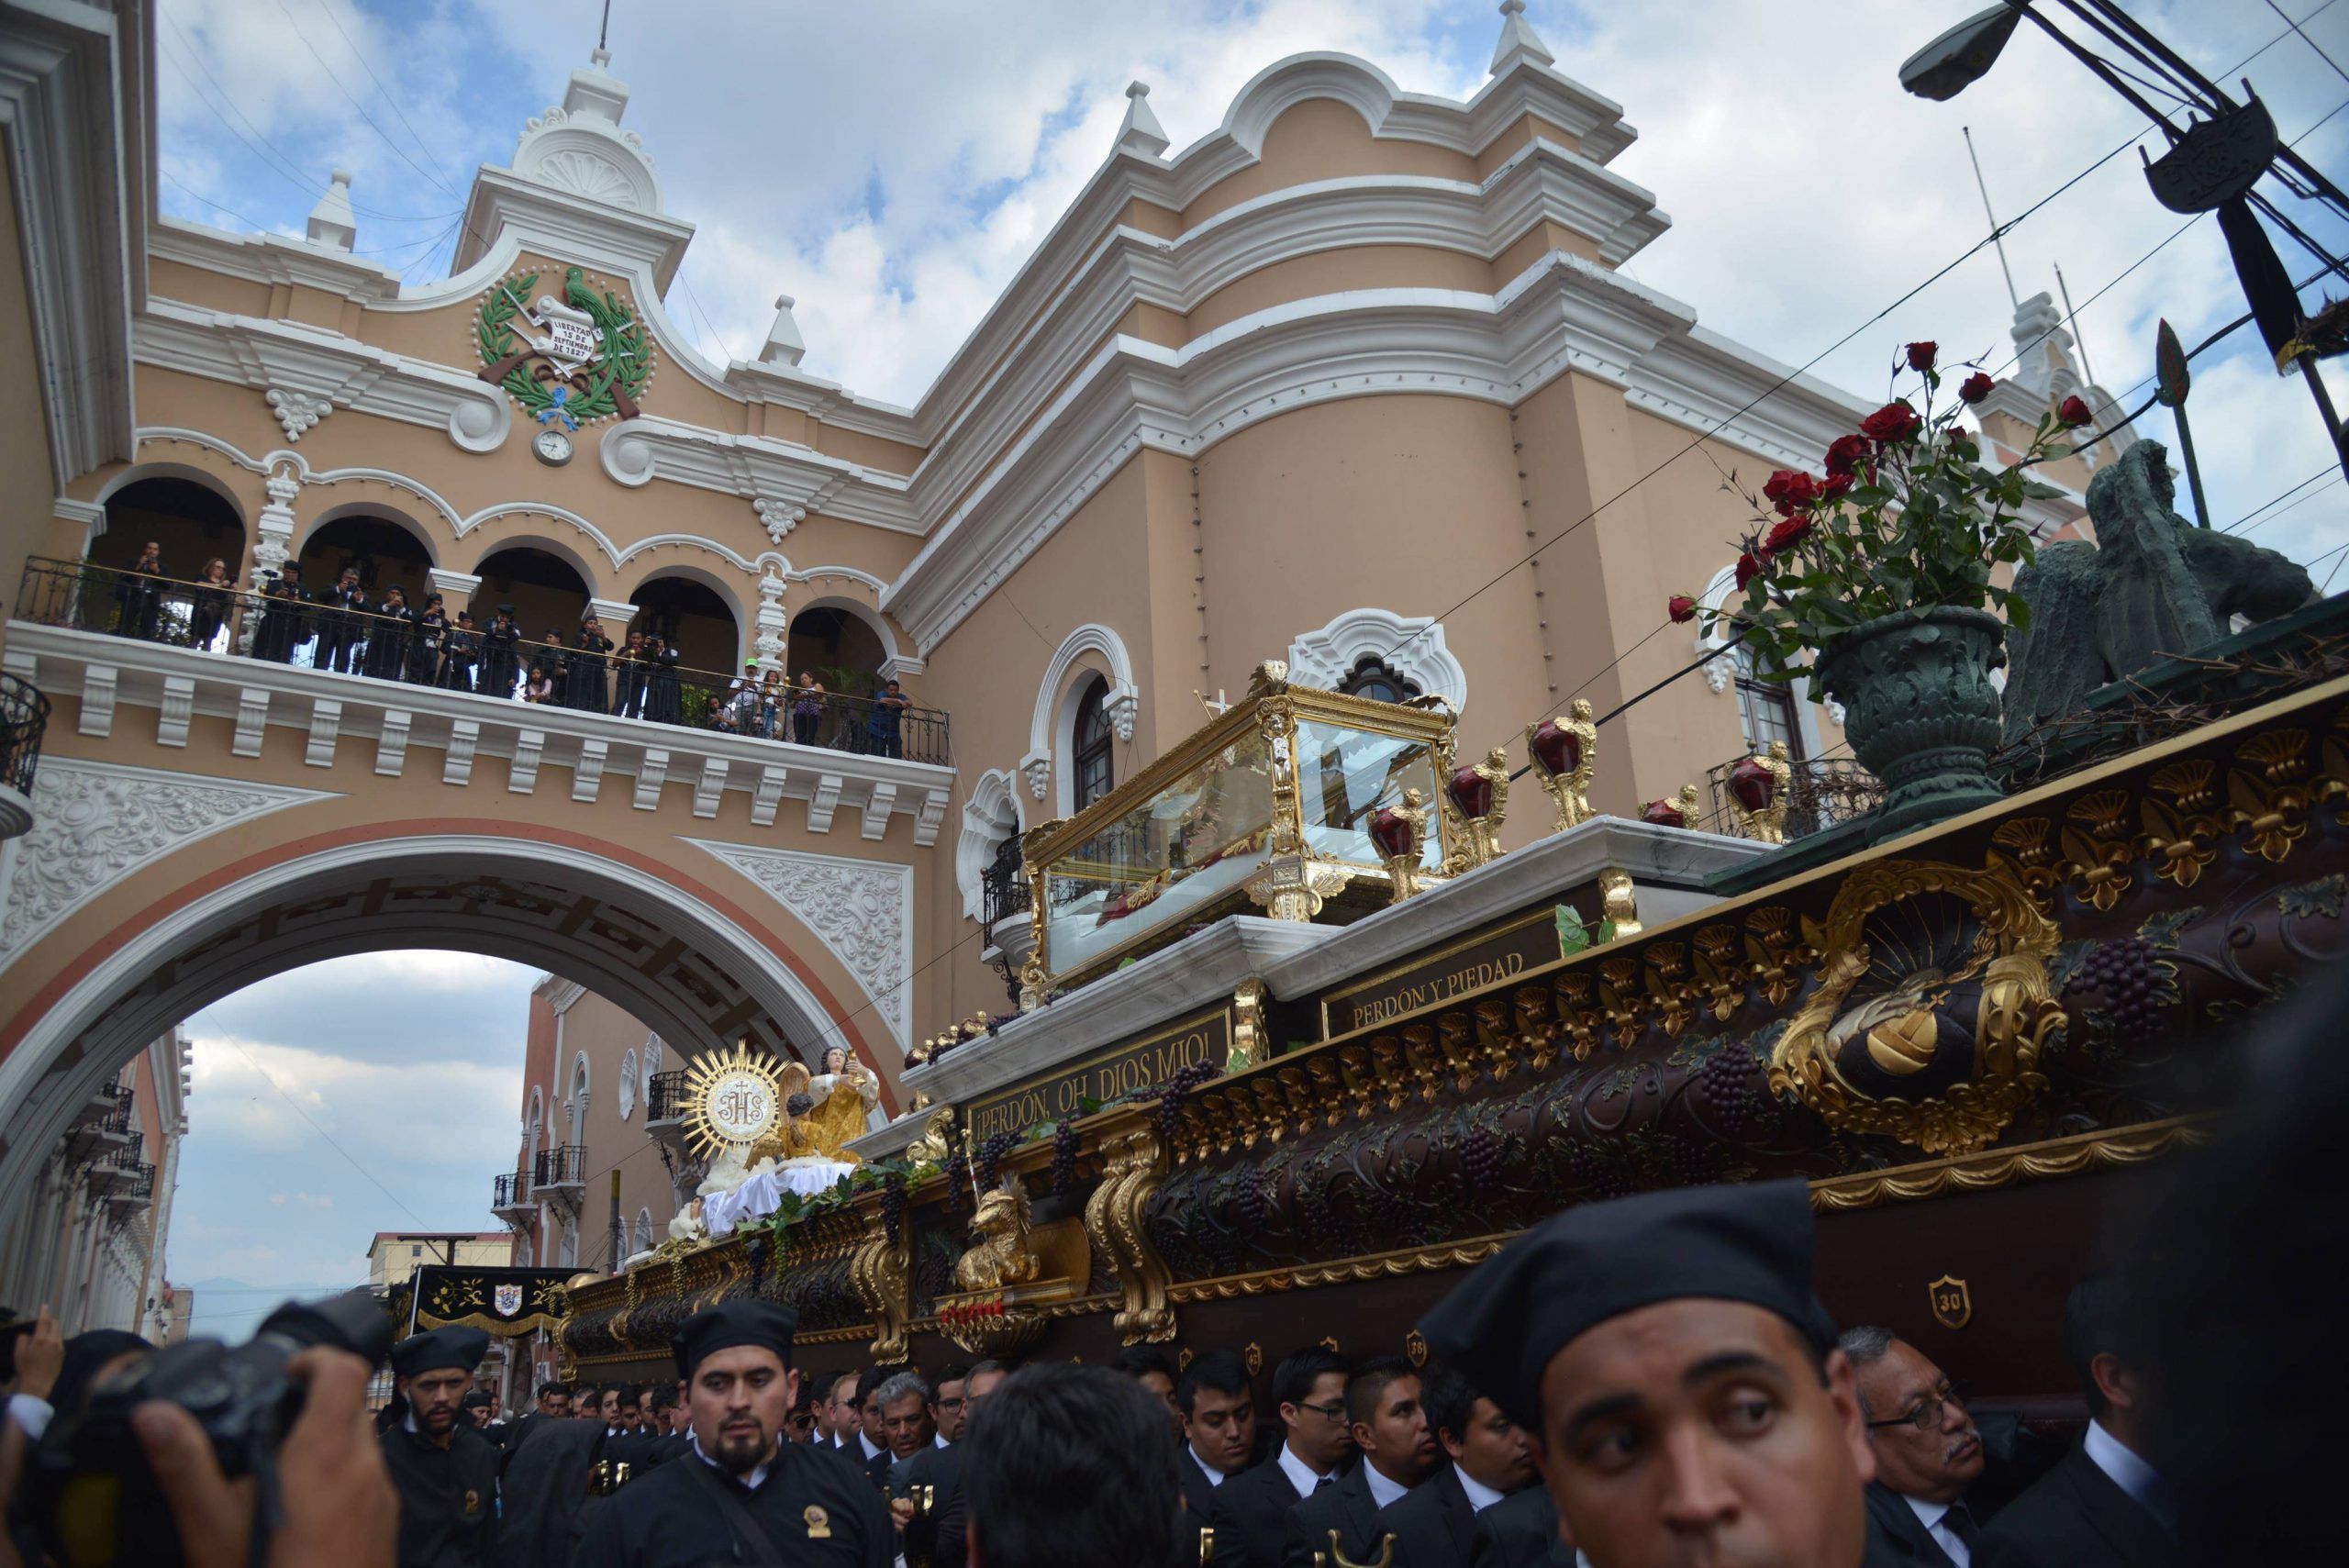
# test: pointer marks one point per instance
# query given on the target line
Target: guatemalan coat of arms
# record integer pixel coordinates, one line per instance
(566, 361)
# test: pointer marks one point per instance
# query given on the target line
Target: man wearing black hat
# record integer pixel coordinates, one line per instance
(499, 665)
(742, 1495)
(1681, 1382)
(445, 1472)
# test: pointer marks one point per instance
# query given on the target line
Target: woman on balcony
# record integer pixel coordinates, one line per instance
(208, 607)
(139, 593)
(806, 709)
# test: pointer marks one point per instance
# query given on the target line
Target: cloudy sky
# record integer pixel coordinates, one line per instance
(892, 165)
(378, 1092)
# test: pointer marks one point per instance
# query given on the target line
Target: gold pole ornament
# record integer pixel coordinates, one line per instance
(1400, 832)
(1565, 755)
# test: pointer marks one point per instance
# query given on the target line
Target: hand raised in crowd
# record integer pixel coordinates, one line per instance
(40, 1354)
(340, 1510)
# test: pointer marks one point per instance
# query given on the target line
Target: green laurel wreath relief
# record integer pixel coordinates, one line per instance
(627, 360)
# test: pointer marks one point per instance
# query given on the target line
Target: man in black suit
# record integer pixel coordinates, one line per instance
(868, 1445)
(2103, 1506)
(1435, 1526)
(1928, 1452)
(1309, 1387)
(1390, 1425)
(948, 1515)
(1156, 1375)
(1518, 1531)
(1217, 1412)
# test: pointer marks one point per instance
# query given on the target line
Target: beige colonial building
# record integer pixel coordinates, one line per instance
(1354, 380)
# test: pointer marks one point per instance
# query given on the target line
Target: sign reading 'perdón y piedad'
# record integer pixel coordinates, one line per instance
(1141, 1063)
(1489, 958)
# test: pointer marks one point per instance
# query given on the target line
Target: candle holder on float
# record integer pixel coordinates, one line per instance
(1400, 832)
(1565, 753)
(1758, 789)
(1680, 811)
(1479, 793)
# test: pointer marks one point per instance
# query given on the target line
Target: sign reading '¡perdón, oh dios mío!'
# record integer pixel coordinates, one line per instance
(1487, 959)
(1143, 1064)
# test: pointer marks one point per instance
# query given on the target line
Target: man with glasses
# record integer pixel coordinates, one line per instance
(1928, 1452)
(1309, 1387)
(950, 1409)
(936, 1529)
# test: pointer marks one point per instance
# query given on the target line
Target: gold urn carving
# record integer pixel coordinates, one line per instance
(1114, 1216)
(1565, 753)
(1932, 1008)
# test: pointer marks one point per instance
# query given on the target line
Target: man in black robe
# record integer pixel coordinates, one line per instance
(499, 665)
(742, 1493)
(341, 628)
(1686, 1398)
(445, 1472)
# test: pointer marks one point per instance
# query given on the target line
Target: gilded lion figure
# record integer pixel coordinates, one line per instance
(1002, 1256)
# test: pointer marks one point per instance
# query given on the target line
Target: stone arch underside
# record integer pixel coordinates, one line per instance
(686, 970)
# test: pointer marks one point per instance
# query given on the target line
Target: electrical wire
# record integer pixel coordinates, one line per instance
(355, 104)
(2308, 40)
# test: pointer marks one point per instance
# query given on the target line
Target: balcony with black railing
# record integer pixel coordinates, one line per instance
(665, 1099)
(24, 718)
(132, 1183)
(510, 1194)
(562, 1169)
(1003, 892)
(405, 650)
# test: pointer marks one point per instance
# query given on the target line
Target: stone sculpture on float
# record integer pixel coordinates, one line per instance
(2152, 584)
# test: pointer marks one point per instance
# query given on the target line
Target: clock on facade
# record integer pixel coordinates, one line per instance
(552, 446)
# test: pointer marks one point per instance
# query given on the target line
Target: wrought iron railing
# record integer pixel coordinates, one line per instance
(135, 1184)
(218, 618)
(1003, 892)
(24, 715)
(512, 1190)
(563, 1166)
(664, 1095)
(1819, 795)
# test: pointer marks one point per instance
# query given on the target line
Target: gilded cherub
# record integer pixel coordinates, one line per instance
(1767, 824)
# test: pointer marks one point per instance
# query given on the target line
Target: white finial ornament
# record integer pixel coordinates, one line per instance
(785, 346)
(332, 224)
(1142, 132)
(1519, 40)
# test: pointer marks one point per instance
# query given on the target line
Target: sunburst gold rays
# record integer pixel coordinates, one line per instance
(734, 1099)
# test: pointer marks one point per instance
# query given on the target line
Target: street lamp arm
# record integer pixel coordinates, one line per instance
(2089, 58)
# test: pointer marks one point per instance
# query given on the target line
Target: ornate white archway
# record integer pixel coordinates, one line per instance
(992, 811)
(1053, 710)
(311, 908)
(1411, 646)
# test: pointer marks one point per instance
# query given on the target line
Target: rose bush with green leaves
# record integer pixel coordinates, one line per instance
(1904, 516)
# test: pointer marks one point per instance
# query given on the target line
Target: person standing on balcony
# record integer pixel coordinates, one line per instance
(743, 700)
(280, 631)
(459, 655)
(636, 669)
(431, 637)
(338, 626)
(663, 702)
(139, 592)
(208, 607)
(882, 726)
(807, 709)
(499, 662)
(547, 667)
(388, 636)
(586, 688)
(772, 693)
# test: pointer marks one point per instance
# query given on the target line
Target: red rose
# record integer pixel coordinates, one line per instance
(2073, 411)
(1893, 422)
(1844, 458)
(1789, 533)
(1977, 387)
(1921, 355)
(1682, 606)
(1791, 491)
(1833, 486)
(1748, 569)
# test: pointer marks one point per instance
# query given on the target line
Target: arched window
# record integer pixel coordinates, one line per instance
(579, 1099)
(628, 1084)
(1767, 709)
(1091, 773)
(643, 1238)
(1374, 678)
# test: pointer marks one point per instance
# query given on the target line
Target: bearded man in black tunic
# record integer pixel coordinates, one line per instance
(445, 1472)
(742, 1493)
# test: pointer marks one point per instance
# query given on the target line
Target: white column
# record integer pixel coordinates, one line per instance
(273, 541)
(772, 622)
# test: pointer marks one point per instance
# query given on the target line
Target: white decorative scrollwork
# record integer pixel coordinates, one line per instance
(861, 910)
(96, 824)
(1411, 646)
(778, 518)
(298, 412)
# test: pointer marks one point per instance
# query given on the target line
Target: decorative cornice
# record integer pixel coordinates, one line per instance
(636, 451)
(262, 353)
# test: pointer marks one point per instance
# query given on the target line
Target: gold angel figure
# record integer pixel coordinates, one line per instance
(1767, 825)
(1485, 831)
(1403, 850)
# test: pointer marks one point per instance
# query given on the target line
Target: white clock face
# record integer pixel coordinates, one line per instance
(552, 446)
(739, 1107)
